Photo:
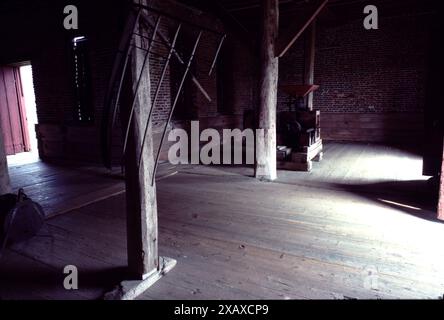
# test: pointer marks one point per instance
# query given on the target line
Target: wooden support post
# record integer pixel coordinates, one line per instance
(441, 192)
(145, 266)
(5, 185)
(140, 195)
(310, 47)
(265, 167)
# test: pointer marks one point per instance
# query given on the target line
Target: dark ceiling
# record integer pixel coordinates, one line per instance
(248, 12)
(241, 5)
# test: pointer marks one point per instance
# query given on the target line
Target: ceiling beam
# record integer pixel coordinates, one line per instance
(289, 36)
(234, 27)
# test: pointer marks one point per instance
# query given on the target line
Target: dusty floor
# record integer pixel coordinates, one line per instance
(360, 225)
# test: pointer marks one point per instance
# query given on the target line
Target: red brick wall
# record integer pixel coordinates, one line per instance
(372, 82)
(372, 71)
(199, 107)
(51, 56)
(379, 73)
(41, 39)
(157, 62)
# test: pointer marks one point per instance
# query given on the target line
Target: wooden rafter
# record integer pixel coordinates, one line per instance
(289, 36)
(231, 23)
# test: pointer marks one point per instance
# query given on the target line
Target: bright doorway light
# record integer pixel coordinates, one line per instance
(31, 116)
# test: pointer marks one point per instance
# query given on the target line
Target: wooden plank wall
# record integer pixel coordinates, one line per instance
(71, 143)
(406, 128)
(217, 122)
(82, 144)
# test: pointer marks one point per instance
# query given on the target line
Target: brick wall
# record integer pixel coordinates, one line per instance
(377, 75)
(372, 82)
(42, 40)
(245, 75)
(291, 71)
(61, 138)
(379, 70)
(194, 104)
(157, 62)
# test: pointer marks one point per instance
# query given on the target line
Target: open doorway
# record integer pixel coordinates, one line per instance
(18, 114)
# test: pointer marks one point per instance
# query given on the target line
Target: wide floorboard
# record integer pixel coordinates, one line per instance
(61, 188)
(351, 228)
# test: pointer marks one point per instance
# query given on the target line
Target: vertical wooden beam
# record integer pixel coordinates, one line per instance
(5, 185)
(441, 192)
(141, 201)
(265, 168)
(310, 47)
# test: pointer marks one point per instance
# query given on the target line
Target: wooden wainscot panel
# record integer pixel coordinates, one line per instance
(51, 132)
(388, 127)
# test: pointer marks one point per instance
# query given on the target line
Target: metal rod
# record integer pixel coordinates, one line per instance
(183, 21)
(125, 65)
(222, 39)
(202, 90)
(124, 43)
(133, 103)
(109, 108)
(167, 43)
(164, 38)
(156, 95)
(119, 90)
(190, 60)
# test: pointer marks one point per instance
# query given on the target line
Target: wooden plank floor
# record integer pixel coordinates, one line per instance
(237, 238)
(60, 189)
(351, 163)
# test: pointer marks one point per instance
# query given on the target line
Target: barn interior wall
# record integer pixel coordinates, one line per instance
(372, 83)
(60, 136)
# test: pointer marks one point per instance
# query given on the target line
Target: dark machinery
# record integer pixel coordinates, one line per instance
(298, 131)
(20, 219)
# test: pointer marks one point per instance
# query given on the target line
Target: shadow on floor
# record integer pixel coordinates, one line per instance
(414, 197)
(23, 281)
